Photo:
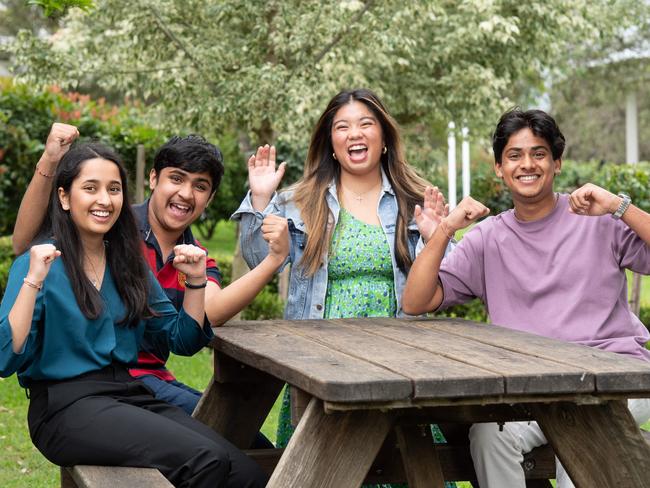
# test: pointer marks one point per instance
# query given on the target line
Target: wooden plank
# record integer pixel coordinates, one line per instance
(112, 476)
(235, 409)
(598, 445)
(522, 373)
(432, 375)
(319, 370)
(299, 402)
(66, 478)
(455, 459)
(419, 456)
(334, 450)
(613, 372)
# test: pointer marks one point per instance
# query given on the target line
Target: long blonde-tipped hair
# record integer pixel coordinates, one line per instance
(321, 168)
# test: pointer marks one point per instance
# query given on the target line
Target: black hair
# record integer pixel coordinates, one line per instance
(539, 122)
(192, 154)
(123, 242)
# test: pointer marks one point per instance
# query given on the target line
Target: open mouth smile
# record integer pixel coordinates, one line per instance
(358, 152)
(180, 209)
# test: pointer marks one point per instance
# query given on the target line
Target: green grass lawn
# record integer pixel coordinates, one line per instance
(22, 465)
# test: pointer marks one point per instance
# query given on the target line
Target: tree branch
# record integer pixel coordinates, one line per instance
(175, 39)
(343, 33)
(181, 46)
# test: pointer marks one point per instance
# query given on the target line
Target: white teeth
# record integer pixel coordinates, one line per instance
(181, 207)
(528, 178)
(100, 213)
(357, 147)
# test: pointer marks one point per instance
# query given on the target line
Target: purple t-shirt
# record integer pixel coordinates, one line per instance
(562, 276)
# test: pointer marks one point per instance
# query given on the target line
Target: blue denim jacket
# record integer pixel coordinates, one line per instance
(306, 298)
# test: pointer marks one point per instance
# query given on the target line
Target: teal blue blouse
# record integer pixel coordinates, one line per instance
(63, 343)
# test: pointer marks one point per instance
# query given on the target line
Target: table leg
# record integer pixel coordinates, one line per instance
(421, 462)
(237, 400)
(331, 450)
(598, 445)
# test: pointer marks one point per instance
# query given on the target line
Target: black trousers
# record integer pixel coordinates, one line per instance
(108, 418)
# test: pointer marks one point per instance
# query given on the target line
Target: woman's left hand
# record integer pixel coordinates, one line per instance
(190, 260)
(431, 213)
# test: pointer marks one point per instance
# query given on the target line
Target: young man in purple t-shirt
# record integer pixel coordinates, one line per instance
(554, 265)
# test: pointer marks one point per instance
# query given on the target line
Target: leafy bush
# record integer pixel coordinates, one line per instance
(26, 116)
(266, 305)
(6, 258)
(25, 120)
(644, 315)
(473, 310)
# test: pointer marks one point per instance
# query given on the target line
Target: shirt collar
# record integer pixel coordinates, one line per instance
(385, 185)
(141, 212)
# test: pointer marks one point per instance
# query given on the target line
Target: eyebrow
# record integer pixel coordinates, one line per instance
(94, 180)
(188, 174)
(534, 148)
(369, 117)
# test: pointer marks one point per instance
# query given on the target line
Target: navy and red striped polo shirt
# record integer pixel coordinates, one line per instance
(153, 355)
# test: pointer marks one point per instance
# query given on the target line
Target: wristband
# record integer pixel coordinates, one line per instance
(31, 284)
(38, 170)
(190, 286)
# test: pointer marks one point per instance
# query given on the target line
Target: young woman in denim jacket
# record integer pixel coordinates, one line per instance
(354, 218)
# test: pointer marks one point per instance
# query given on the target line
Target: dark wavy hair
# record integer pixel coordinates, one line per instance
(123, 242)
(539, 122)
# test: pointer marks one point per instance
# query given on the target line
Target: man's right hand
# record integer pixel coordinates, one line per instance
(467, 212)
(58, 143)
(263, 178)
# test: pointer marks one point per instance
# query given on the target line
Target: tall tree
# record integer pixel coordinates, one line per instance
(267, 68)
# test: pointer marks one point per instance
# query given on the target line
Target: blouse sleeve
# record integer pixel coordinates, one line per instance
(11, 362)
(184, 335)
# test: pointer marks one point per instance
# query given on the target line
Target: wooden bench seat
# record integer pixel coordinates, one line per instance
(455, 458)
(112, 477)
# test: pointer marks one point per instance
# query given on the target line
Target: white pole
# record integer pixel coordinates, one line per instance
(631, 129)
(464, 155)
(451, 166)
(632, 157)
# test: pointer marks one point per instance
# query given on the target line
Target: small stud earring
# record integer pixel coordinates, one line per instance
(385, 150)
(334, 156)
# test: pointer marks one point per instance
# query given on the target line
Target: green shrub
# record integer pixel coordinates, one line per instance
(224, 262)
(26, 116)
(473, 310)
(6, 258)
(644, 315)
(267, 305)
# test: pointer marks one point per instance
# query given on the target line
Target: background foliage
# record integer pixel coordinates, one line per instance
(26, 116)
(266, 68)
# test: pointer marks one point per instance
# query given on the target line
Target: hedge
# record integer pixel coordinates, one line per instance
(26, 116)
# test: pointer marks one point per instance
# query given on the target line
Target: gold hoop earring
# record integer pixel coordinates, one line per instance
(334, 156)
(385, 150)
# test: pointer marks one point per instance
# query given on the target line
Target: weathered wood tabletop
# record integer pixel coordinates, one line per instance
(364, 377)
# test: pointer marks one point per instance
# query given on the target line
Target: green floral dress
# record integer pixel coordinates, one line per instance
(360, 284)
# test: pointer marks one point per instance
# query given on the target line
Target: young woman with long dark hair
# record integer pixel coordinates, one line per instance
(75, 310)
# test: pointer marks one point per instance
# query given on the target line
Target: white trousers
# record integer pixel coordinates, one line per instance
(497, 454)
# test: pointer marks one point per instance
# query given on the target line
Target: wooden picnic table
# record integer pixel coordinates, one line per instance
(363, 378)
